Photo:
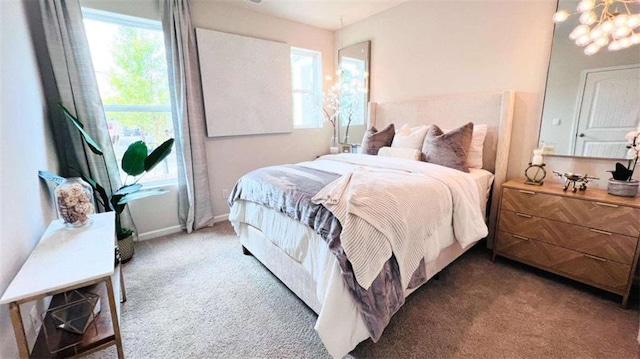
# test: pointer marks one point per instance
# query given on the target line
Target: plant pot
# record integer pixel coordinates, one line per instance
(126, 249)
(623, 188)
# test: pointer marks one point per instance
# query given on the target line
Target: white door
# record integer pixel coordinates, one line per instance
(610, 108)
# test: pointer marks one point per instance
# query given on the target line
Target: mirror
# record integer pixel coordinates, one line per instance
(590, 102)
(353, 62)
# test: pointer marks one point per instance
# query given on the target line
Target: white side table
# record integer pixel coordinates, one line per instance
(67, 259)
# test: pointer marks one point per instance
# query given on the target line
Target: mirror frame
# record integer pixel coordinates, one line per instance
(360, 129)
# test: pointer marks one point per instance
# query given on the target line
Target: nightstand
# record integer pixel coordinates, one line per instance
(67, 259)
(589, 236)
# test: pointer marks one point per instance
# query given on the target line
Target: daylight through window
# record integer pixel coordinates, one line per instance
(306, 84)
(131, 69)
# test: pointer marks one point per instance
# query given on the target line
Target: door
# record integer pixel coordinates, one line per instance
(610, 108)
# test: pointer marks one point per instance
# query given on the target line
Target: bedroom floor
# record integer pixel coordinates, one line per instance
(197, 296)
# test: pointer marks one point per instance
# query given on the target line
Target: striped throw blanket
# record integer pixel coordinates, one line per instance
(385, 212)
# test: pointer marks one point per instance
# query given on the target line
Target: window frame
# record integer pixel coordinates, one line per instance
(316, 92)
(141, 23)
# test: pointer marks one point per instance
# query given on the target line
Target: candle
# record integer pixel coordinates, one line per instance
(537, 157)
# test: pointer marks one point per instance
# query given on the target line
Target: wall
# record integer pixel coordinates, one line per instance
(25, 203)
(422, 48)
(231, 157)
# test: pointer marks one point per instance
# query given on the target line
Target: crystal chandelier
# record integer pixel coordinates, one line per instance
(604, 23)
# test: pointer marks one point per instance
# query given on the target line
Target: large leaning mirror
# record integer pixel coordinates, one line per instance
(353, 62)
(591, 101)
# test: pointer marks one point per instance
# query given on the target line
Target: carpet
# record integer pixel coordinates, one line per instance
(198, 296)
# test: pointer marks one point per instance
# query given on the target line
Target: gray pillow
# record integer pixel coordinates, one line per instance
(374, 140)
(448, 149)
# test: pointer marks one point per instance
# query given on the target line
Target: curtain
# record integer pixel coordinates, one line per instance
(68, 78)
(194, 207)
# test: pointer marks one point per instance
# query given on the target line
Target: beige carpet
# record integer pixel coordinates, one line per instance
(197, 296)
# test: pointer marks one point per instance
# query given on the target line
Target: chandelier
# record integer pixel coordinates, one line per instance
(603, 23)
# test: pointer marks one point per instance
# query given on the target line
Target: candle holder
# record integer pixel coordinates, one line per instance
(535, 174)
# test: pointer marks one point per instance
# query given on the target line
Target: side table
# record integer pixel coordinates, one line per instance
(67, 259)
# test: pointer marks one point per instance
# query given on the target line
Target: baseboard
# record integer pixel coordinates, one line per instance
(221, 218)
(174, 229)
(158, 233)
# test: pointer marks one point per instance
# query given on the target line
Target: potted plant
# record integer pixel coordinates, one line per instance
(136, 162)
(622, 183)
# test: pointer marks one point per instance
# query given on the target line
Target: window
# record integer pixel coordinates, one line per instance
(306, 70)
(129, 60)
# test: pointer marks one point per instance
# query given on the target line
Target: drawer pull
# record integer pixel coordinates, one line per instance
(595, 258)
(599, 231)
(607, 204)
(526, 192)
(522, 215)
(520, 237)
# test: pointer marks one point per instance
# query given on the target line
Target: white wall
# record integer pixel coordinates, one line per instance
(231, 157)
(438, 47)
(25, 203)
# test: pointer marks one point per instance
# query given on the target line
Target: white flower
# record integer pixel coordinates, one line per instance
(632, 154)
(631, 136)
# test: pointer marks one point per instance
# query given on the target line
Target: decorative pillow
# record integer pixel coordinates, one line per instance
(474, 159)
(449, 149)
(408, 153)
(374, 140)
(410, 137)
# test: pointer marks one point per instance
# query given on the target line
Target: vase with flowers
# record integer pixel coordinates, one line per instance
(622, 183)
(331, 111)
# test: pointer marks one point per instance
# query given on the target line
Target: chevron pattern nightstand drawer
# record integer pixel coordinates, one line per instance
(590, 236)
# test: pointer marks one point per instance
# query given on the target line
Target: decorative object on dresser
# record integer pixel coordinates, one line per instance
(622, 183)
(588, 236)
(536, 173)
(573, 179)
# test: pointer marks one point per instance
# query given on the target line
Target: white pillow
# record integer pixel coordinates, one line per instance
(410, 137)
(408, 153)
(474, 157)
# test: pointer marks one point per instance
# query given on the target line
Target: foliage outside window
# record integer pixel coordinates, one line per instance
(306, 84)
(130, 65)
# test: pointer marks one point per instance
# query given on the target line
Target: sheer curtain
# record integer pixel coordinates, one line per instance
(194, 205)
(68, 79)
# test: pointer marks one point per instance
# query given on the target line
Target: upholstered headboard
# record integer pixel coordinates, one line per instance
(450, 111)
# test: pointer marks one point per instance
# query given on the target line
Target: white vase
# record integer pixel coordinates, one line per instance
(623, 188)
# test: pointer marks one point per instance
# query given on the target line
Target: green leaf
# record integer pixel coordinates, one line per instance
(133, 159)
(117, 207)
(51, 177)
(93, 145)
(159, 154)
(128, 189)
(101, 191)
(141, 194)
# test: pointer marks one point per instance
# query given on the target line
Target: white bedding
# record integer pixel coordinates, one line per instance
(339, 323)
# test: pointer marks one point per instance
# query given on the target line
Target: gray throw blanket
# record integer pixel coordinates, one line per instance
(289, 189)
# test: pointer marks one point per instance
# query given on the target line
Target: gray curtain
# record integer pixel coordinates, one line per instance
(194, 205)
(68, 78)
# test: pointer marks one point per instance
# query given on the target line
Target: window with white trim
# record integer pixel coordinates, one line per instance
(129, 60)
(306, 85)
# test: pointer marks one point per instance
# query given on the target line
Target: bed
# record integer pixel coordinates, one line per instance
(302, 257)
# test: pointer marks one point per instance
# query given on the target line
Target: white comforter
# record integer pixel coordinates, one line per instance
(393, 210)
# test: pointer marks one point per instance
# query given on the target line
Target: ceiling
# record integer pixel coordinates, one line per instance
(324, 14)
